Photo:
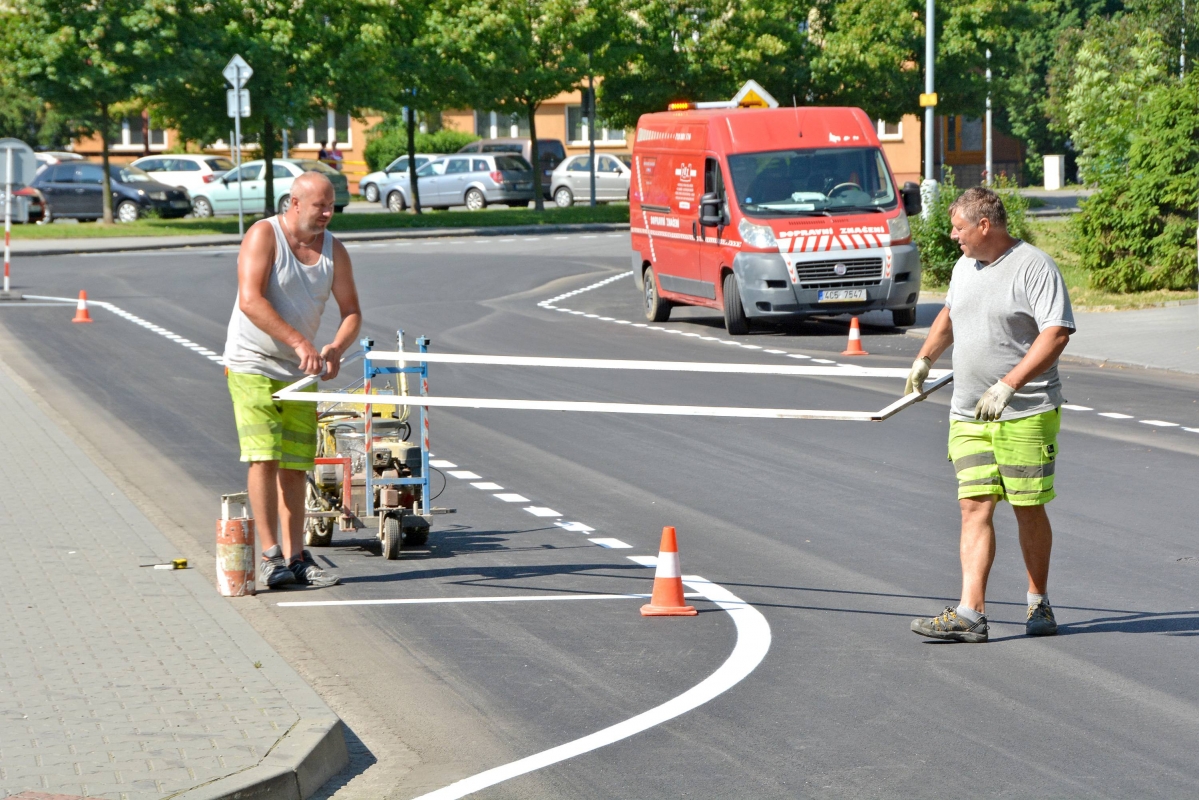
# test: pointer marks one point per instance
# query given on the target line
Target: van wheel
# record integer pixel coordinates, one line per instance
(564, 198)
(395, 202)
(370, 193)
(656, 309)
(475, 201)
(735, 321)
(903, 317)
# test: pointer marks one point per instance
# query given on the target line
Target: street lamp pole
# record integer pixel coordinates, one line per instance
(990, 149)
(929, 110)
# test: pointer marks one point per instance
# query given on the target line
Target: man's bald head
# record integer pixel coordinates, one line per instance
(312, 187)
(312, 200)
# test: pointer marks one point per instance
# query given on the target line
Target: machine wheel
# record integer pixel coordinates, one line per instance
(284, 203)
(656, 309)
(392, 538)
(395, 203)
(903, 317)
(127, 211)
(318, 532)
(201, 207)
(370, 193)
(735, 321)
(564, 197)
(475, 201)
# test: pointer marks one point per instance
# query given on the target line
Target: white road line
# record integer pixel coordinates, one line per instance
(1192, 430)
(488, 486)
(823, 361)
(511, 498)
(578, 527)
(542, 511)
(417, 601)
(753, 642)
(1159, 423)
(1073, 407)
(776, 352)
(611, 544)
(1115, 415)
(464, 474)
(442, 464)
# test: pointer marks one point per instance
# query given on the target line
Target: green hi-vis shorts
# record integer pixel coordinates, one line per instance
(1013, 459)
(269, 429)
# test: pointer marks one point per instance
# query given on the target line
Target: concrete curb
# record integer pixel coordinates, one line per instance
(66, 247)
(307, 756)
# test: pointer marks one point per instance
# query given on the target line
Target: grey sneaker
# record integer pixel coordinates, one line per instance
(307, 571)
(272, 569)
(952, 627)
(1040, 621)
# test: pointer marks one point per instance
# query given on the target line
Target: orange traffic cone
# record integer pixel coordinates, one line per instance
(667, 600)
(854, 348)
(81, 314)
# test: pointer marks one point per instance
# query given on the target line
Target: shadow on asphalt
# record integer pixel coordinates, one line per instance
(476, 575)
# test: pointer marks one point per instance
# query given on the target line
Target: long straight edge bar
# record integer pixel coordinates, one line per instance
(311, 379)
(914, 397)
(564, 405)
(849, 371)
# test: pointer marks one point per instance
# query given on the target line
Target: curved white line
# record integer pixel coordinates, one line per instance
(753, 641)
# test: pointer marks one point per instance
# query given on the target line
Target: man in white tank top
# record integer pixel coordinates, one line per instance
(287, 267)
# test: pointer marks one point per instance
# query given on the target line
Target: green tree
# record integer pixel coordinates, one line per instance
(85, 59)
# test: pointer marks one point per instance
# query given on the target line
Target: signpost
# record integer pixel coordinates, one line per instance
(20, 167)
(237, 72)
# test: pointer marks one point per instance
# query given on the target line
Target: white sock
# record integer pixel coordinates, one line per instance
(1036, 599)
(968, 614)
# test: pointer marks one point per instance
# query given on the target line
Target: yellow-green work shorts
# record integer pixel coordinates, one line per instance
(269, 429)
(1013, 459)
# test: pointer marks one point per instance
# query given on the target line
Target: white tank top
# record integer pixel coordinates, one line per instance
(298, 293)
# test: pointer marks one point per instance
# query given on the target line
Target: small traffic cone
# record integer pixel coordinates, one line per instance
(667, 600)
(854, 348)
(81, 314)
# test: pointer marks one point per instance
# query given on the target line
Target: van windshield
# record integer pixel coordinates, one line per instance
(834, 179)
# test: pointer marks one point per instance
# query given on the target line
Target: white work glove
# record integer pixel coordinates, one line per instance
(917, 376)
(993, 402)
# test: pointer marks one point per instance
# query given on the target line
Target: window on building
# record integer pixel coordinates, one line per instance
(133, 134)
(971, 135)
(890, 131)
(576, 128)
(329, 128)
(501, 124)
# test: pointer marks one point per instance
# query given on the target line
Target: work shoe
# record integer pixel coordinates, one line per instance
(273, 571)
(952, 627)
(307, 571)
(1040, 621)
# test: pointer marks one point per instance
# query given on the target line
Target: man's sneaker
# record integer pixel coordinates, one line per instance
(273, 571)
(1040, 621)
(952, 627)
(307, 571)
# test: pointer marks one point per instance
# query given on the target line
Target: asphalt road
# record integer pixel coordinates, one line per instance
(837, 533)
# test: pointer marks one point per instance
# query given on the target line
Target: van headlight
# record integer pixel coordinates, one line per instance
(899, 228)
(759, 236)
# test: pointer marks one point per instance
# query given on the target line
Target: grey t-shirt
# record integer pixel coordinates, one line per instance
(997, 311)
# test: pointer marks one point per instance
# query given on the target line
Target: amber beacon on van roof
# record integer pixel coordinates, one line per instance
(769, 214)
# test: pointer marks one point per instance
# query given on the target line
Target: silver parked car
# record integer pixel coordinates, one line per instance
(571, 181)
(371, 187)
(472, 181)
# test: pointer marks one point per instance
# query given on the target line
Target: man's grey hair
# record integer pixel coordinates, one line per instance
(979, 203)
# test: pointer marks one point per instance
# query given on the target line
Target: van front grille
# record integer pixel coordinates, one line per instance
(857, 272)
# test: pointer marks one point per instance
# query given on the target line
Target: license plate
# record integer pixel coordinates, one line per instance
(840, 295)
(524, 186)
(179, 204)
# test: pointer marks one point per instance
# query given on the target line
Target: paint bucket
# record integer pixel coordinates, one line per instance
(235, 547)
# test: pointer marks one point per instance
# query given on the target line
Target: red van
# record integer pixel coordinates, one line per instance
(770, 214)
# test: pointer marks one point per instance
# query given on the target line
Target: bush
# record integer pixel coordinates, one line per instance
(938, 252)
(1137, 232)
(390, 145)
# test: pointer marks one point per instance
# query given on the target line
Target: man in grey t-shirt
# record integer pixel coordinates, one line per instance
(1008, 317)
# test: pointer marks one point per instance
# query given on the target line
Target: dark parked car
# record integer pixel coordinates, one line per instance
(75, 189)
(550, 151)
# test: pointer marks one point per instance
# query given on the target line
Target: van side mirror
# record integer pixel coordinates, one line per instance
(911, 198)
(711, 215)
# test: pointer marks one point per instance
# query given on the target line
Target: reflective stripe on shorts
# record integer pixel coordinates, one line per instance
(1014, 459)
(269, 429)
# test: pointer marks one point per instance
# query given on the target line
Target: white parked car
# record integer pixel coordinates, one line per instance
(370, 185)
(571, 180)
(191, 172)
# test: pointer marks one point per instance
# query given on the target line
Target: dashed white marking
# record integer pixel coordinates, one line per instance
(511, 498)
(1192, 430)
(612, 544)
(542, 511)
(776, 352)
(1073, 407)
(823, 361)
(751, 347)
(575, 527)
(442, 464)
(1114, 415)
(488, 486)
(1159, 423)
(464, 474)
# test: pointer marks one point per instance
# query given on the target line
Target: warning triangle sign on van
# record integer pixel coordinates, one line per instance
(752, 95)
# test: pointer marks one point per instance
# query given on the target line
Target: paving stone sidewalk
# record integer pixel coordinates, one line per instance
(118, 681)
